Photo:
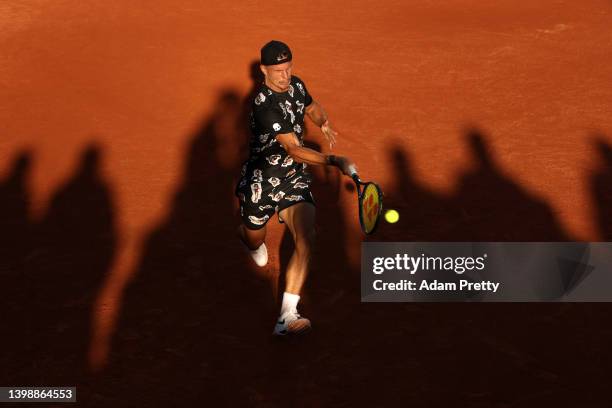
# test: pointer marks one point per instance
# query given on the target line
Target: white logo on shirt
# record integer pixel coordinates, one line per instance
(275, 181)
(290, 110)
(300, 108)
(287, 162)
(276, 127)
(301, 88)
(255, 192)
(278, 196)
(257, 175)
(260, 98)
(264, 147)
(294, 198)
(257, 220)
(274, 159)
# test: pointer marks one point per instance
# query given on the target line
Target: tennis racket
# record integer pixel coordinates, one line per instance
(370, 198)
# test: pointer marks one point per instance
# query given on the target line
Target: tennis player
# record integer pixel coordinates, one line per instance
(274, 179)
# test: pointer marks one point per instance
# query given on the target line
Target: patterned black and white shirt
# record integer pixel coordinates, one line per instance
(270, 179)
(276, 113)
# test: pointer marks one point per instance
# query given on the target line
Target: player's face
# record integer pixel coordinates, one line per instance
(278, 77)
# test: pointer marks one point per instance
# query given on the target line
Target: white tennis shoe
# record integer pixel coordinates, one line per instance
(291, 323)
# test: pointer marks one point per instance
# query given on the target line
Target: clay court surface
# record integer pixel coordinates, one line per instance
(123, 127)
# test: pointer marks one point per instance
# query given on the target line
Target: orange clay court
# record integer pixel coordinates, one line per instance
(123, 127)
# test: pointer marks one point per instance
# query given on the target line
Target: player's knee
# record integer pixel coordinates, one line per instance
(252, 238)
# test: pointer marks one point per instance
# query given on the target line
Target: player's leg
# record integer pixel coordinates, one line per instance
(253, 239)
(252, 230)
(300, 219)
(254, 242)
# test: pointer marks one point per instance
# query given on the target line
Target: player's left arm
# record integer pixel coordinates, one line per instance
(317, 114)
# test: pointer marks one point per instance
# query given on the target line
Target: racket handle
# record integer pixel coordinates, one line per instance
(353, 172)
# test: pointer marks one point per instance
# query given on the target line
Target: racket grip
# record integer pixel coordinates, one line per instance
(352, 170)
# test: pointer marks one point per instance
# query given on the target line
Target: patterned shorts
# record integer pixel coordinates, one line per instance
(260, 200)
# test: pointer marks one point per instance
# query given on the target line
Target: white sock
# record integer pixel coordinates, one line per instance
(290, 302)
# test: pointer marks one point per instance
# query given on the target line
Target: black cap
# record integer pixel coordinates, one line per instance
(274, 53)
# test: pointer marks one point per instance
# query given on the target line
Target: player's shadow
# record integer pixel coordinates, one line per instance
(601, 187)
(57, 266)
(196, 317)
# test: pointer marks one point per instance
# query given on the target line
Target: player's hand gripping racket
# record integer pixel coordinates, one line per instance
(370, 199)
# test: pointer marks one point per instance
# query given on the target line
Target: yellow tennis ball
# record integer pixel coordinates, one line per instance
(391, 216)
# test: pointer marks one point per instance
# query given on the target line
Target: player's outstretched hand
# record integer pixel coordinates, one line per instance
(330, 134)
(346, 165)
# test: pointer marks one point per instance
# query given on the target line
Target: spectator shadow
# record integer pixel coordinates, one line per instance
(196, 321)
(517, 343)
(487, 205)
(244, 119)
(61, 262)
(15, 236)
(492, 207)
(425, 215)
(196, 312)
(601, 187)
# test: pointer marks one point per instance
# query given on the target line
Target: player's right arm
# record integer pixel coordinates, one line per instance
(270, 118)
(302, 154)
